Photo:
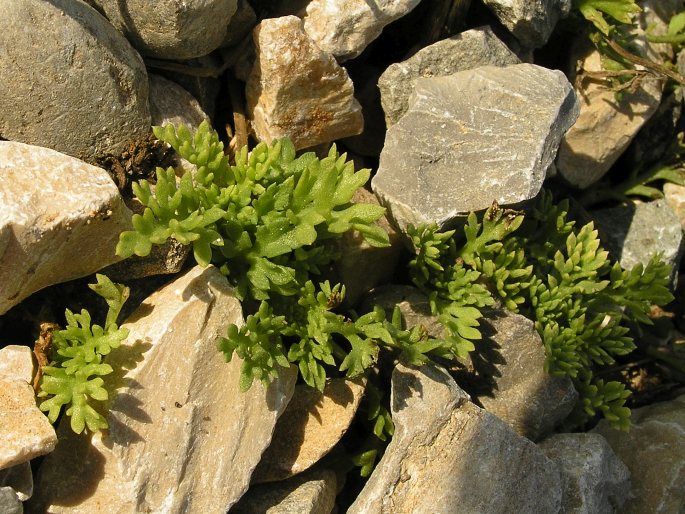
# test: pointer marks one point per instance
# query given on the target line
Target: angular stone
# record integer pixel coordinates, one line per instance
(447, 455)
(654, 452)
(169, 29)
(242, 22)
(61, 220)
(344, 28)
(511, 358)
(86, 97)
(361, 266)
(674, 195)
(25, 432)
(297, 90)
(20, 479)
(16, 361)
(182, 437)
(9, 503)
(634, 232)
(171, 104)
(467, 50)
(312, 492)
(606, 126)
(531, 21)
(594, 479)
(462, 144)
(310, 427)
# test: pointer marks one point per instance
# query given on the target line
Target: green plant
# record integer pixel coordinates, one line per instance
(542, 266)
(73, 377)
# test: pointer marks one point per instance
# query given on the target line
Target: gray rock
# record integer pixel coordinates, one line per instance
(182, 437)
(634, 232)
(594, 479)
(9, 503)
(447, 455)
(344, 28)
(171, 104)
(312, 492)
(531, 21)
(20, 479)
(171, 29)
(465, 51)
(297, 90)
(512, 357)
(242, 22)
(471, 138)
(61, 220)
(654, 452)
(86, 97)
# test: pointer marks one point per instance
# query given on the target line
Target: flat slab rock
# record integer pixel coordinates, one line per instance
(60, 220)
(182, 436)
(471, 138)
(297, 90)
(467, 50)
(448, 455)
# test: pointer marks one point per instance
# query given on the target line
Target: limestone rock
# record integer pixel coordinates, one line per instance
(20, 479)
(61, 220)
(86, 97)
(344, 28)
(297, 90)
(9, 503)
(171, 29)
(310, 427)
(361, 266)
(654, 452)
(16, 361)
(182, 437)
(634, 232)
(447, 455)
(25, 432)
(242, 22)
(465, 51)
(522, 394)
(312, 492)
(595, 481)
(171, 104)
(531, 21)
(674, 195)
(470, 138)
(605, 126)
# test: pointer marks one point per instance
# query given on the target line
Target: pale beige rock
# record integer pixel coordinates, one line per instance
(297, 90)
(60, 220)
(25, 432)
(182, 436)
(448, 455)
(20, 479)
(312, 492)
(654, 452)
(16, 361)
(605, 126)
(171, 104)
(674, 195)
(344, 28)
(310, 427)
